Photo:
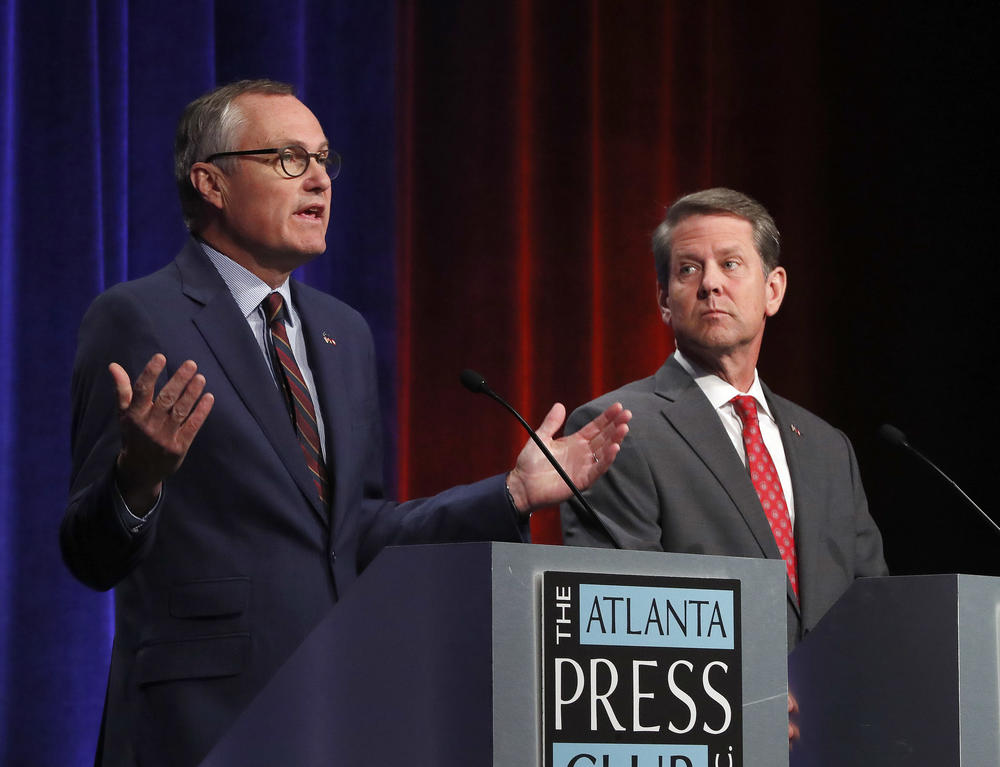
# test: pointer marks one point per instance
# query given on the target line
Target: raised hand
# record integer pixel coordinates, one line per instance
(584, 455)
(156, 434)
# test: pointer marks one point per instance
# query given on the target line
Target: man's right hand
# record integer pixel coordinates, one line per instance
(156, 434)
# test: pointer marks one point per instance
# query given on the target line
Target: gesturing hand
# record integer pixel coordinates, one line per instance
(156, 434)
(584, 456)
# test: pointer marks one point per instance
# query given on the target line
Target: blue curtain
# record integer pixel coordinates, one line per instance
(90, 94)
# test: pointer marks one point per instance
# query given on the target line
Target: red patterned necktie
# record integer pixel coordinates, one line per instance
(765, 481)
(297, 396)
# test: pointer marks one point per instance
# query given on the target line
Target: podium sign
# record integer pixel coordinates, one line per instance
(641, 670)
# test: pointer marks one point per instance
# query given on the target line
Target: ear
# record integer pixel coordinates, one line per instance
(774, 286)
(209, 181)
(663, 301)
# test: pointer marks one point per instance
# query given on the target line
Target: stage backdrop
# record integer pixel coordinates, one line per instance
(504, 166)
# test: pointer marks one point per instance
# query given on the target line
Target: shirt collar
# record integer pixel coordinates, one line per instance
(247, 288)
(720, 392)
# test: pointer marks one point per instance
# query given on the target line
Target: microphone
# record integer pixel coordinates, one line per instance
(894, 436)
(475, 383)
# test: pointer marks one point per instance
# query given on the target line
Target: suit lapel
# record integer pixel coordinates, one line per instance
(802, 460)
(695, 420)
(228, 337)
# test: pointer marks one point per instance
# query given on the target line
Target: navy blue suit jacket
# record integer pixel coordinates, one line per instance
(239, 561)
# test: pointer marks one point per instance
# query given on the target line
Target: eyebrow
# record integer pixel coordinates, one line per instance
(280, 142)
(725, 250)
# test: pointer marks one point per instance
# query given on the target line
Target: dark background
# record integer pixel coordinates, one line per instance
(867, 135)
(505, 164)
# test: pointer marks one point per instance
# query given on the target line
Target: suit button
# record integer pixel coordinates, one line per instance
(333, 557)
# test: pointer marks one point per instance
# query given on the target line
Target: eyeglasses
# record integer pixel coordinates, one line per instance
(294, 159)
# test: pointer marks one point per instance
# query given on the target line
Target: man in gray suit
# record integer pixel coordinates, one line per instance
(681, 482)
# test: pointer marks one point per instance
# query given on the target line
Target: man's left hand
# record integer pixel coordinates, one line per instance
(793, 725)
(584, 456)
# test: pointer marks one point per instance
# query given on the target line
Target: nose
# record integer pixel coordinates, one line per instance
(316, 178)
(711, 280)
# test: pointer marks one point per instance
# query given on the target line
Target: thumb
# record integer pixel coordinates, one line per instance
(552, 421)
(123, 385)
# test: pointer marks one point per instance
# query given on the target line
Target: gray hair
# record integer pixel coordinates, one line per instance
(718, 201)
(208, 125)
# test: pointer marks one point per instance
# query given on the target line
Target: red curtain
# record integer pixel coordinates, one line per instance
(539, 145)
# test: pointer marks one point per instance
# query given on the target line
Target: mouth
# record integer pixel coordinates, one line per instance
(311, 213)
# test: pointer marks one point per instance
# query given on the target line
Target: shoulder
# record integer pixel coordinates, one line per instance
(147, 286)
(124, 304)
(336, 316)
(637, 396)
(791, 410)
(794, 417)
(314, 298)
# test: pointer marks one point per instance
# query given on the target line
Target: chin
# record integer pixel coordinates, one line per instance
(311, 249)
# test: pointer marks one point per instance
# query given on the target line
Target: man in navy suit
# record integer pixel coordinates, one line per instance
(231, 507)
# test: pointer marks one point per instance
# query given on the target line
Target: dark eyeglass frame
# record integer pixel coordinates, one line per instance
(331, 161)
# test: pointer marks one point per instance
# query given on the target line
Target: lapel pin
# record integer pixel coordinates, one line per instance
(795, 429)
(328, 340)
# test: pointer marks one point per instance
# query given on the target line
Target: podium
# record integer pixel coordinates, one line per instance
(434, 658)
(901, 672)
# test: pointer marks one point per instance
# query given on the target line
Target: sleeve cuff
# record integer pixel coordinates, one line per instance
(130, 521)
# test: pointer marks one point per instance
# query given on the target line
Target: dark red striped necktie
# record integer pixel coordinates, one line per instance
(297, 396)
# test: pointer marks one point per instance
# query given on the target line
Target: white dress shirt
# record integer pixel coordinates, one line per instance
(720, 393)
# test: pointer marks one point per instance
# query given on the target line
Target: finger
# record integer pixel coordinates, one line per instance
(552, 421)
(142, 389)
(616, 427)
(602, 421)
(793, 734)
(605, 455)
(793, 728)
(174, 388)
(182, 407)
(189, 430)
(614, 437)
(123, 385)
(606, 443)
(623, 416)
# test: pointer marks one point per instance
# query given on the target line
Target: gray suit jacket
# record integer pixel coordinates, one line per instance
(678, 485)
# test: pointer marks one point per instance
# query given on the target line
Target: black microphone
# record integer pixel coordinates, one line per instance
(891, 434)
(475, 383)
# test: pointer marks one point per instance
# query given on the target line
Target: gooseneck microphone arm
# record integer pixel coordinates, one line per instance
(475, 383)
(891, 434)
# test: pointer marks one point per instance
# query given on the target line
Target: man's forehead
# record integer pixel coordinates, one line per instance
(723, 231)
(718, 221)
(278, 119)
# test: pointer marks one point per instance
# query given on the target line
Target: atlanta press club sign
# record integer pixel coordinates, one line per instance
(641, 671)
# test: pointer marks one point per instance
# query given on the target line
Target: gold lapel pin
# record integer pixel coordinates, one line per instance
(327, 339)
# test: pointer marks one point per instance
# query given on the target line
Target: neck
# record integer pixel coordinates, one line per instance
(273, 276)
(734, 367)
